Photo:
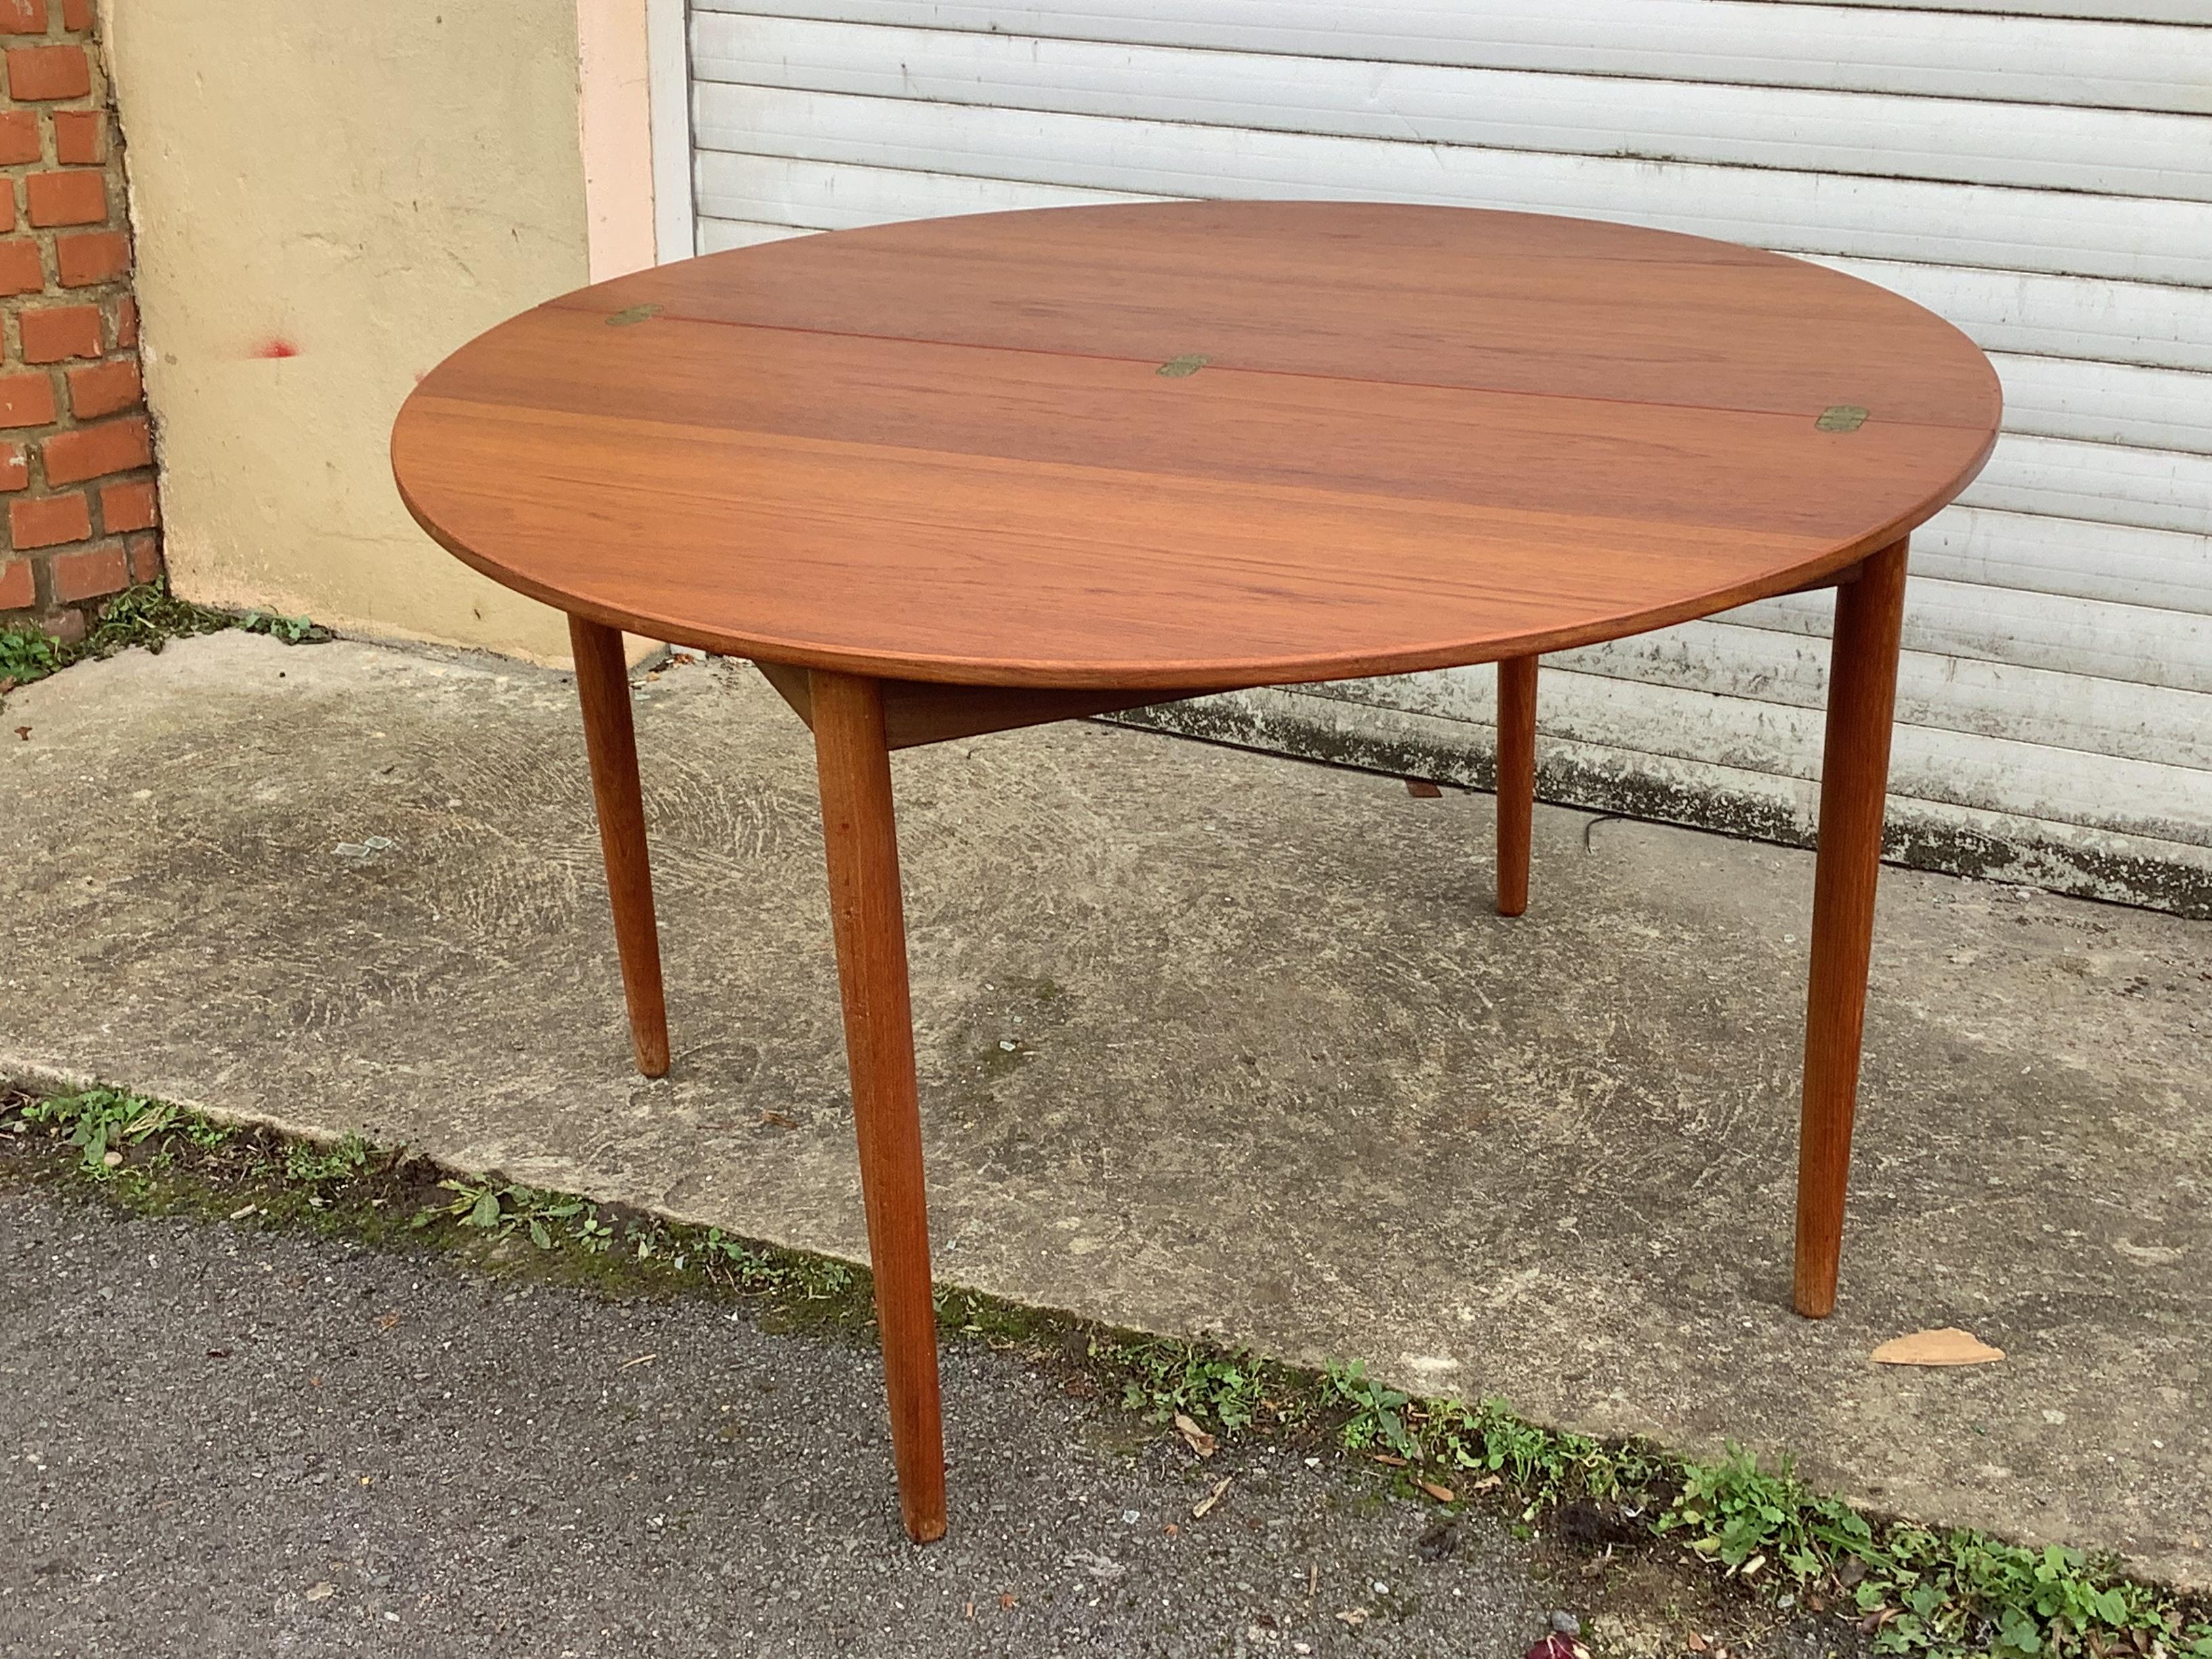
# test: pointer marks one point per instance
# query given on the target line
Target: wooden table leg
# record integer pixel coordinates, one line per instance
(860, 837)
(1853, 786)
(1516, 779)
(603, 688)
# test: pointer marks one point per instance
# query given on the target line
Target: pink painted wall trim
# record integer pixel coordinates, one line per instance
(614, 115)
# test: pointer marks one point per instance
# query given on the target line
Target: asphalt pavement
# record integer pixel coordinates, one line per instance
(223, 1441)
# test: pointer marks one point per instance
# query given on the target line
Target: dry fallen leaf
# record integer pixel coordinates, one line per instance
(1205, 1504)
(1489, 1482)
(1195, 1437)
(1354, 1617)
(322, 1592)
(1385, 1457)
(1946, 1347)
(1694, 1642)
(1006, 1598)
(1442, 1494)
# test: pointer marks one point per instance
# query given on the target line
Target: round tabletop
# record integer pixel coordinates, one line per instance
(1192, 445)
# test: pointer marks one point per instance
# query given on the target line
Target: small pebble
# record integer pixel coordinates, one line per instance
(1566, 1624)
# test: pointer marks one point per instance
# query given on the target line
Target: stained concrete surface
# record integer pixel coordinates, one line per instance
(1209, 1041)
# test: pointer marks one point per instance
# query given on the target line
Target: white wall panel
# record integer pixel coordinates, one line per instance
(721, 236)
(2048, 708)
(2126, 238)
(1758, 734)
(2037, 314)
(2122, 152)
(2044, 60)
(2156, 488)
(824, 195)
(2134, 644)
(2106, 403)
(2194, 13)
(2159, 570)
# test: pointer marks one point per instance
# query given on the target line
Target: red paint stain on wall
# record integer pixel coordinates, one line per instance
(277, 347)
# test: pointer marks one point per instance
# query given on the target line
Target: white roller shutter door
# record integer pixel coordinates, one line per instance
(2038, 171)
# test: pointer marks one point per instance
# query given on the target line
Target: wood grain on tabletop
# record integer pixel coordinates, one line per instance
(944, 450)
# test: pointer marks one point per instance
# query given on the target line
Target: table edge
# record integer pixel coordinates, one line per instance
(1212, 674)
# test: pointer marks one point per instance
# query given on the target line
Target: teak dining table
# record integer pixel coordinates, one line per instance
(956, 476)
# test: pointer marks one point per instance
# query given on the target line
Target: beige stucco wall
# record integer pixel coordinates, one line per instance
(368, 185)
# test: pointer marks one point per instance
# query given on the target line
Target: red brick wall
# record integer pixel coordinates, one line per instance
(77, 455)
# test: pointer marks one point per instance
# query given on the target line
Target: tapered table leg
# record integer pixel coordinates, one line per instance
(1516, 779)
(603, 688)
(862, 843)
(1853, 786)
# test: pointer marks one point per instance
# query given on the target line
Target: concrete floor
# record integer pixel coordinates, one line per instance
(1275, 1072)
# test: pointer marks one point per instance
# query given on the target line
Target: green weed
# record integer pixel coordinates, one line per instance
(307, 1162)
(292, 630)
(1923, 1591)
(149, 618)
(27, 654)
(503, 1209)
(99, 1122)
(1208, 1385)
(1452, 1439)
(145, 617)
(758, 1270)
